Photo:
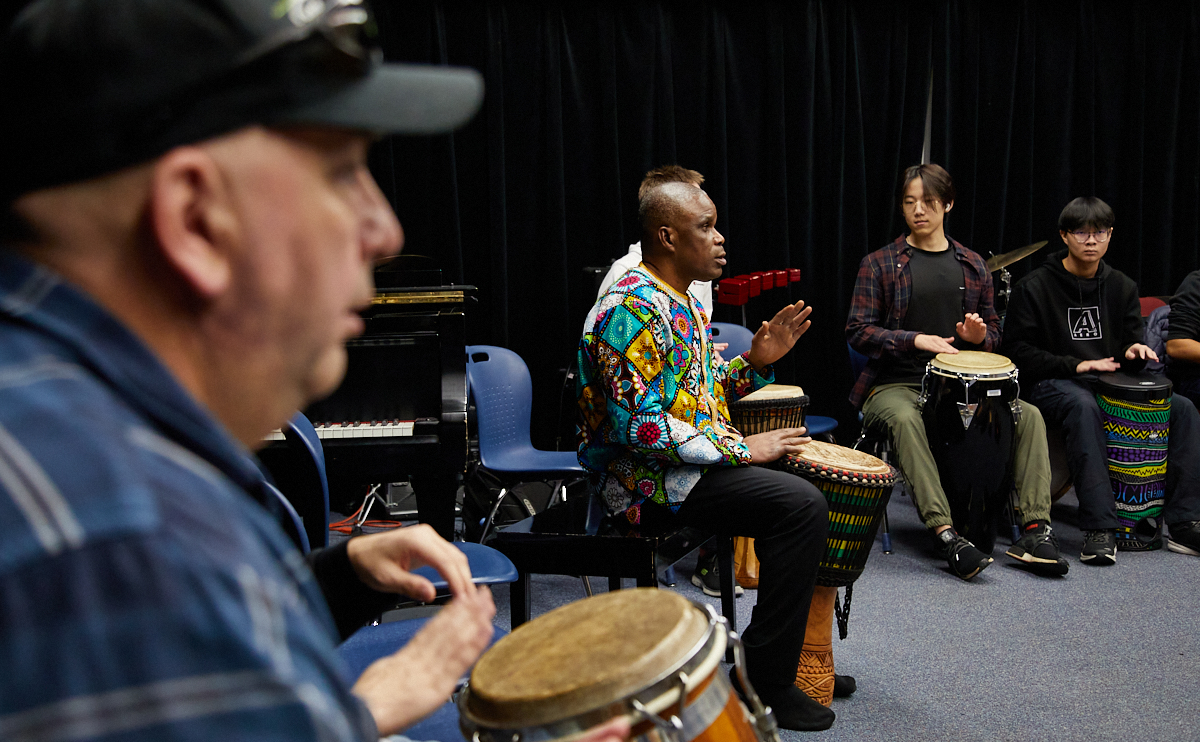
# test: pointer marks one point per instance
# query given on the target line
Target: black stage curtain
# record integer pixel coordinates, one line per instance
(1036, 103)
(800, 115)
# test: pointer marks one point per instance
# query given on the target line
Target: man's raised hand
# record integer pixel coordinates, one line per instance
(775, 338)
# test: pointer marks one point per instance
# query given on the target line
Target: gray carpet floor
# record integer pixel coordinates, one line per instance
(1104, 653)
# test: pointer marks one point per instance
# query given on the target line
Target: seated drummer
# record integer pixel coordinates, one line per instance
(1069, 319)
(926, 294)
(654, 428)
(1183, 338)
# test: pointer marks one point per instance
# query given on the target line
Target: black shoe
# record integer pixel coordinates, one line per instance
(1038, 548)
(708, 579)
(1185, 538)
(844, 686)
(792, 707)
(1099, 548)
(964, 559)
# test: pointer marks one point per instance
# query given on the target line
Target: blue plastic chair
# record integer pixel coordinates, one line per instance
(499, 384)
(313, 506)
(738, 337)
(503, 393)
(488, 567)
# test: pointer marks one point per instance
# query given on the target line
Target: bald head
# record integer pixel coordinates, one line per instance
(664, 205)
(680, 241)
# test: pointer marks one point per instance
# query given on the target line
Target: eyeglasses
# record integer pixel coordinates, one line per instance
(1100, 236)
(933, 203)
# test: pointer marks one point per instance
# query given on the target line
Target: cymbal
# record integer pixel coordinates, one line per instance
(996, 262)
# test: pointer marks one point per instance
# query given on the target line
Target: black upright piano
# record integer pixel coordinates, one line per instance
(400, 414)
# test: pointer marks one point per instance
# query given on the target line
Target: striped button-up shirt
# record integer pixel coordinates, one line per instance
(146, 593)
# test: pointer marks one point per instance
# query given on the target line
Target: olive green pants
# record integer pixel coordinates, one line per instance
(894, 407)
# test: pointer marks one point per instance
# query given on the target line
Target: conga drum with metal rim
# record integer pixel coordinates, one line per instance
(1136, 409)
(969, 403)
(857, 487)
(648, 654)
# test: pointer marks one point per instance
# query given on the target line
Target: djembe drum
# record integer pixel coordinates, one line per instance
(770, 408)
(969, 402)
(1136, 409)
(648, 654)
(857, 487)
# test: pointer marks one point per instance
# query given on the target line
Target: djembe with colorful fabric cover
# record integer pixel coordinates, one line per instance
(1136, 409)
(857, 487)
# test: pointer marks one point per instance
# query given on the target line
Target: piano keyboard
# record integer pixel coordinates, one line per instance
(332, 431)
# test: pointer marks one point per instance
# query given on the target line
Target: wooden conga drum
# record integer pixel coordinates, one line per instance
(857, 487)
(648, 654)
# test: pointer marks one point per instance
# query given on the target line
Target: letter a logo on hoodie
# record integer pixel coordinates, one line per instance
(1085, 323)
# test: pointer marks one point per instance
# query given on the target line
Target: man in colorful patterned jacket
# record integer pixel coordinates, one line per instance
(655, 431)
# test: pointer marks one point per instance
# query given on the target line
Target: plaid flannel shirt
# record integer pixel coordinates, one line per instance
(882, 292)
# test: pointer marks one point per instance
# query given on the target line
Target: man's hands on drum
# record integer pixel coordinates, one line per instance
(1105, 365)
(404, 687)
(775, 338)
(972, 330)
(775, 444)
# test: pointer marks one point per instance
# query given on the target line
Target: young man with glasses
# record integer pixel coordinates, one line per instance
(922, 295)
(1073, 318)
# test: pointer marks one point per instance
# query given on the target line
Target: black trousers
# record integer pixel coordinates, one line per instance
(788, 519)
(1072, 405)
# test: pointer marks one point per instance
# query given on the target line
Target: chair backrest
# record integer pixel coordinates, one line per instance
(1150, 303)
(503, 393)
(857, 363)
(738, 337)
(305, 483)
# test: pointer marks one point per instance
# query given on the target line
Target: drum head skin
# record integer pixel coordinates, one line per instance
(973, 362)
(774, 391)
(1119, 384)
(583, 656)
(819, 454)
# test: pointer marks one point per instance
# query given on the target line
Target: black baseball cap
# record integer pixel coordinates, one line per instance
(92, 86)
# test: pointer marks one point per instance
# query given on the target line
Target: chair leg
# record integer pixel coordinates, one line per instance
(1012, 514)
(728, 580)
(587, 585)
(886, 535)
(518, 600)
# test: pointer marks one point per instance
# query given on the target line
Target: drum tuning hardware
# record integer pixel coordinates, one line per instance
(1015, 404)
(967, 413)
(670, 728)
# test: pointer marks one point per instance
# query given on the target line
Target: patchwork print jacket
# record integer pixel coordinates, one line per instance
(653, 397)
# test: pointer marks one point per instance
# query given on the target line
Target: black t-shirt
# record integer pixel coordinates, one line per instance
(936, 306)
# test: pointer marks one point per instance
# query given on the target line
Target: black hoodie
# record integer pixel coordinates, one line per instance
(1055, 320)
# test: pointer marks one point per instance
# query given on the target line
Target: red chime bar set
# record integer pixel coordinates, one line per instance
(737, 291)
